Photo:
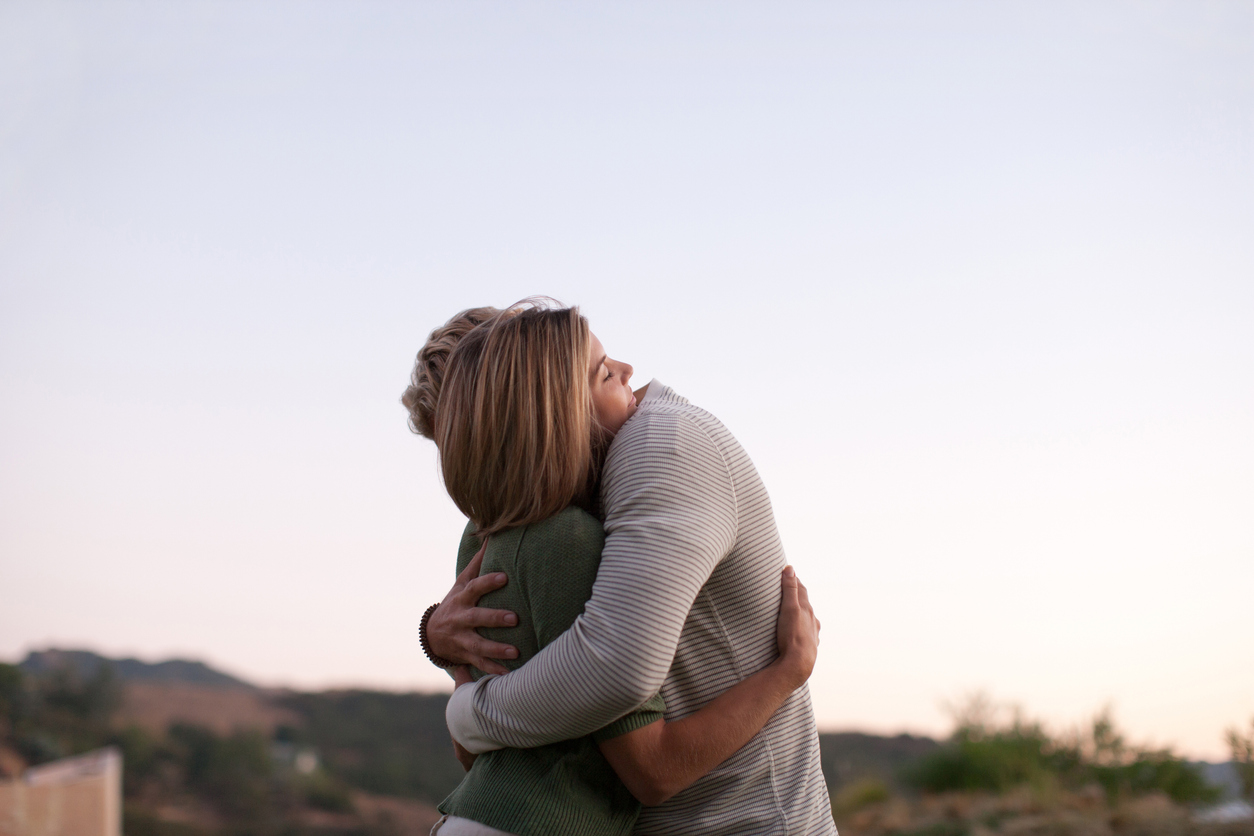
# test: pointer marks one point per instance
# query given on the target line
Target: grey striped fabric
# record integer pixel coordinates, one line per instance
(686, 600)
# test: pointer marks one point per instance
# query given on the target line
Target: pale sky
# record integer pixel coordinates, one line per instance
(972, 283)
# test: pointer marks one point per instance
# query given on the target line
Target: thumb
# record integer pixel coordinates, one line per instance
(790, 583)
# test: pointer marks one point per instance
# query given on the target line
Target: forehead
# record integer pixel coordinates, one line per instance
(596, 352)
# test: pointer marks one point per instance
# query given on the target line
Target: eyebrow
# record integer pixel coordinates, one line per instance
(598, 365)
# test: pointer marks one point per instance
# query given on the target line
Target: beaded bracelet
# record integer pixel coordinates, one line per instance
(437, 660)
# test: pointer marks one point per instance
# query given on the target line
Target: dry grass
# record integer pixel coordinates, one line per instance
(1027, 812)
(154, 706)
(372, 815)
(399, 815)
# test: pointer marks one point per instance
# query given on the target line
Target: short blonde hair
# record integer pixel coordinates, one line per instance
(514, 422)
(428, 376)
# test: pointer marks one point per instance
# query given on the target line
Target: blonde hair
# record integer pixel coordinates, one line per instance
(428, 376)
(513, 418)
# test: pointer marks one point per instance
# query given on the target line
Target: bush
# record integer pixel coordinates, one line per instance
(983, 754)
(390, 744)
(141, 823)
(234, 773)
(1152, 772)
(1242, 748)
(10, 693)
(858, 795)
(58, 713)
(322, 792)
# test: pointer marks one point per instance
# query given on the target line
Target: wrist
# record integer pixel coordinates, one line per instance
(427, 640)
(440, 634)
(790, 673)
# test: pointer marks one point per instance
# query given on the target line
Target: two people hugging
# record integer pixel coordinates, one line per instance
(629, 646)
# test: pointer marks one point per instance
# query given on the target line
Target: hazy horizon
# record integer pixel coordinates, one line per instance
(950, 707)
(970, 282)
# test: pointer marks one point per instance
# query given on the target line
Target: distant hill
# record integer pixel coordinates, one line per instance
(397, 744)
(85, 664)
(852, 756)
(382, 742)
(188, 731)
(385, 743)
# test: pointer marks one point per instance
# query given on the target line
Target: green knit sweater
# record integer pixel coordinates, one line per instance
(567, 787)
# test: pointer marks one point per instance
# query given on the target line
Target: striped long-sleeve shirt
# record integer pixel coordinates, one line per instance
(686, 600)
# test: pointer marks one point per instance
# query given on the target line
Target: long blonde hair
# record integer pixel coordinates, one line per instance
(513, 420)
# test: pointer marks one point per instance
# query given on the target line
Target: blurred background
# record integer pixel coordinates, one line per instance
(973, 283)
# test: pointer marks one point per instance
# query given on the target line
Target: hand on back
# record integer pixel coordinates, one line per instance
(452, 629)
(797, 632)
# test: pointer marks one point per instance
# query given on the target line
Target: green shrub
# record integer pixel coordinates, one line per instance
(141, 823)
(10, 693)
(979, 757)
(234, 773)
(390, 744)
(141, 755)
(1242, 748)
(1155, 772)
(323, 792)
(57, 713)
(984, 755)
(858, 795)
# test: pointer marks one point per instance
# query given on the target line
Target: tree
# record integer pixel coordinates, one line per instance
(1242, 748)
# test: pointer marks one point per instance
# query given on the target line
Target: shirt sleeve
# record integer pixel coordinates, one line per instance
(649, 713)
(671, 517)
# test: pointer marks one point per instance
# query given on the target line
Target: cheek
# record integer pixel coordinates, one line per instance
(611, 409)
(604, 407)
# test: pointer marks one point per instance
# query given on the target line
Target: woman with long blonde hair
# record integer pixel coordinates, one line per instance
(522, 405)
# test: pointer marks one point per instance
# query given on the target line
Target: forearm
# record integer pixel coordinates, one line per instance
(671, 517)
(542, 702)
(659, 760)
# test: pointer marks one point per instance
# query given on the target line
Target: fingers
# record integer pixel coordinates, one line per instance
(483, 617)
(803, 596)
(489, 666)
(803, 599)
(792, 582)
(477, 588)
(483, 654)
(495, 650)
(788, 584)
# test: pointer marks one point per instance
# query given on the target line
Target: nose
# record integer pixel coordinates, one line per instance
(627, 372)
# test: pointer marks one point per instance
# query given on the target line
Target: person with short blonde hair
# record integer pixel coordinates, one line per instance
(427, 378)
